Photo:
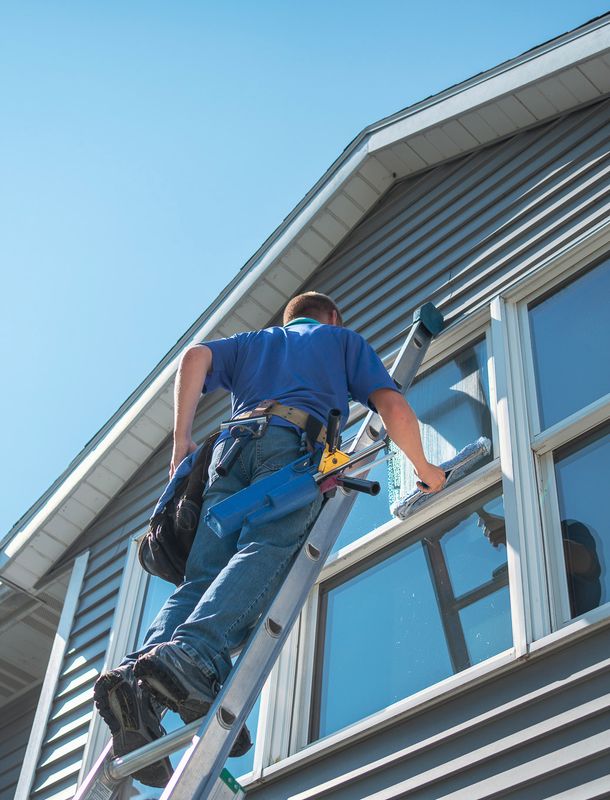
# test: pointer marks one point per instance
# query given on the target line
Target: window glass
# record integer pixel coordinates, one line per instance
(482, 563)
(413, 617)
(570, 332)
(452, 404)
(582, 471)
(156, 593)
(487, 626)
(367, 512)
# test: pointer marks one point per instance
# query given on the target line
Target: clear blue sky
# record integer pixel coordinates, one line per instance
(148, 148)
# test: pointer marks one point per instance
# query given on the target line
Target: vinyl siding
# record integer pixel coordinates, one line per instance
(455, 234)
(16, 722)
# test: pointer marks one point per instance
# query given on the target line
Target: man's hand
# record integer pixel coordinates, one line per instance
(431, 478)
(181, 450)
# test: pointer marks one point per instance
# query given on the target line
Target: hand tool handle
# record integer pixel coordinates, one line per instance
(359, 485)
(226, 462)
(333, 429)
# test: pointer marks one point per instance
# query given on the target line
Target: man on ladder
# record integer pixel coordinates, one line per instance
(309, 366)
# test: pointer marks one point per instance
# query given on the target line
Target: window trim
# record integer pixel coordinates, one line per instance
(122, 638)
(453, 339)
(537, 446)
(398, 544)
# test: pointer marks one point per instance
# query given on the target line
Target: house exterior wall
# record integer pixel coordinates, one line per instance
(17, 718)
(456, 235)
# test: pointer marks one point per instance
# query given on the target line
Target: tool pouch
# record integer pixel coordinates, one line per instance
(290, 488)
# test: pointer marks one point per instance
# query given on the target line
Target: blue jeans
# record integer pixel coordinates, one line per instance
(229, 582)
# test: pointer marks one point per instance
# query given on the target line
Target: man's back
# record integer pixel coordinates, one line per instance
(309, 365)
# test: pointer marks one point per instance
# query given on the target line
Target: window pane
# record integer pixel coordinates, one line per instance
(582, 484)
(452, 405)
(367, 512)
(570, 332)
(487, 626)
(381, 629)
(469, 564)
(419, 615)
(157, 592)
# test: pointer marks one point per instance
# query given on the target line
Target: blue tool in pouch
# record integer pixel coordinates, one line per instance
(282, 492)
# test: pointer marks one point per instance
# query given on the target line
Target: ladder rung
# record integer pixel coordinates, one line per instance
(123, 766)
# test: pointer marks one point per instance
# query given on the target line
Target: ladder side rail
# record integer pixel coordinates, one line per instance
(199, 768)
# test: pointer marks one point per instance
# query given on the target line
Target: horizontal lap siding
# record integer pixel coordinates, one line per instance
(67, 730)
(458, 233)
(15, 726)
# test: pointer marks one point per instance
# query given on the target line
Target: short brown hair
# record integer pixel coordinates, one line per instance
(310, 304)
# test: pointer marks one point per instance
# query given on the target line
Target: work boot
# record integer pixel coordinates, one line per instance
(134, 719)
(176, 681)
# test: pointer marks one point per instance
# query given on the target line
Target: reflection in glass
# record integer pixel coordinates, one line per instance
(157, 592)
(570, 332)
(487, 626)
(581, 470)
(414, 617)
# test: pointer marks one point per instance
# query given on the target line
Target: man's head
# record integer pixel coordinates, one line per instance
(315, 305)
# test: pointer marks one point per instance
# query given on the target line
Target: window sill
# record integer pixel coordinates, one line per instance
(575, 629)
(391, 715)
(435, 695)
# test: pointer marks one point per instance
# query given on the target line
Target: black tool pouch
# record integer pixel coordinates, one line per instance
(164, 549)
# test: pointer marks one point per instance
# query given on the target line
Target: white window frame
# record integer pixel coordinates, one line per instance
(546, 562)
(450, 342)
(122, 639)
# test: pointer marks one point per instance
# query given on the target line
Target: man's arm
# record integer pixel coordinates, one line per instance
(192, 372)
(403, 429)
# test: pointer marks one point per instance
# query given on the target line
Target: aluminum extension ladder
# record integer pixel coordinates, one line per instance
(201, 774)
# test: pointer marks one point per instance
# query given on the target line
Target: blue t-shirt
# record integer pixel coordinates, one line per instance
(308, 365)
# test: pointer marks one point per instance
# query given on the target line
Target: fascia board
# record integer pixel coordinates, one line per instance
(489, 88)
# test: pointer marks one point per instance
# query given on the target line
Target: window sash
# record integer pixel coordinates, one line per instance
(541, 444)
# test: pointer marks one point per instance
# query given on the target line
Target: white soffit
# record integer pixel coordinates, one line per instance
(556, 77)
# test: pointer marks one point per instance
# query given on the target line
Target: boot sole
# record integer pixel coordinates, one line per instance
(167, 690)
(115, 702)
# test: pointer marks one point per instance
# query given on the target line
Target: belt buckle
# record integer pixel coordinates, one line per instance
(252, 426)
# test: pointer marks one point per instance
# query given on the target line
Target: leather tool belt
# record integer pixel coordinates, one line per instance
(315, 431)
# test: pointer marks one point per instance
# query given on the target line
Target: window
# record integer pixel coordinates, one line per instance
(568, 330)
(432, 599)
(413, 615)
(156, 593)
